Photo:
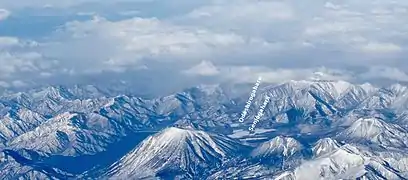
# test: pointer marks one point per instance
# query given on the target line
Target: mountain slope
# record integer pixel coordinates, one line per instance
(376, 131)
(174, 152)
(68, 134)
(278, 146)
(347, 162)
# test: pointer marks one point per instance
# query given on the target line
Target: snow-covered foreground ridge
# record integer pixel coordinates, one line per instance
(309, 130)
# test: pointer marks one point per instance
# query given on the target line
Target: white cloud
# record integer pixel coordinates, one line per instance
(4, 84)
(242, 74)
(8, 42)
(390, 73)
(100, 44)
(247, 74)
(130, 13)
(360, 26)
(18, 83)
(332, 6)
(247, 17)
(4, 14)
(45, 74)
(279, 40)
(42, 3)
(56, 4)
(19, 56)
(346, 26)
(375, 47)
(243, 10)
(324, 73)
(331, 28)
(205, 68)
(20, 62)
(282, 75)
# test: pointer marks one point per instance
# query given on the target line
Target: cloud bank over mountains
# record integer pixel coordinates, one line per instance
(219, 40)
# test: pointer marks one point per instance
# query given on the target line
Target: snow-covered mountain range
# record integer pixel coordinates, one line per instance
(310, 130)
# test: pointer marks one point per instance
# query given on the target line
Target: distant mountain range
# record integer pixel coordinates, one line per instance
(310, 130)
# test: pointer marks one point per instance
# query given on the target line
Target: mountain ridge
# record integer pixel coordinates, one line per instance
(327, 120)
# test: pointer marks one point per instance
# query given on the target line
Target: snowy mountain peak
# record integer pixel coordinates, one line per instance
(375, 130)
(87, 91)
(300, 83)
(53, 92)
(175, 150)
(398, 89)
(280, 146)
(325, 146)
(334, 88)
(174, 133)
(368, 87)
(366, 127)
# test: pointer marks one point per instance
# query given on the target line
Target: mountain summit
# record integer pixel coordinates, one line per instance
(175, 152)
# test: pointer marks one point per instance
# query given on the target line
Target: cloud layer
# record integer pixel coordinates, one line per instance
(219, 41)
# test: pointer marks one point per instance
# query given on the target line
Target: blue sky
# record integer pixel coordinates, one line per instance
(170, 44)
